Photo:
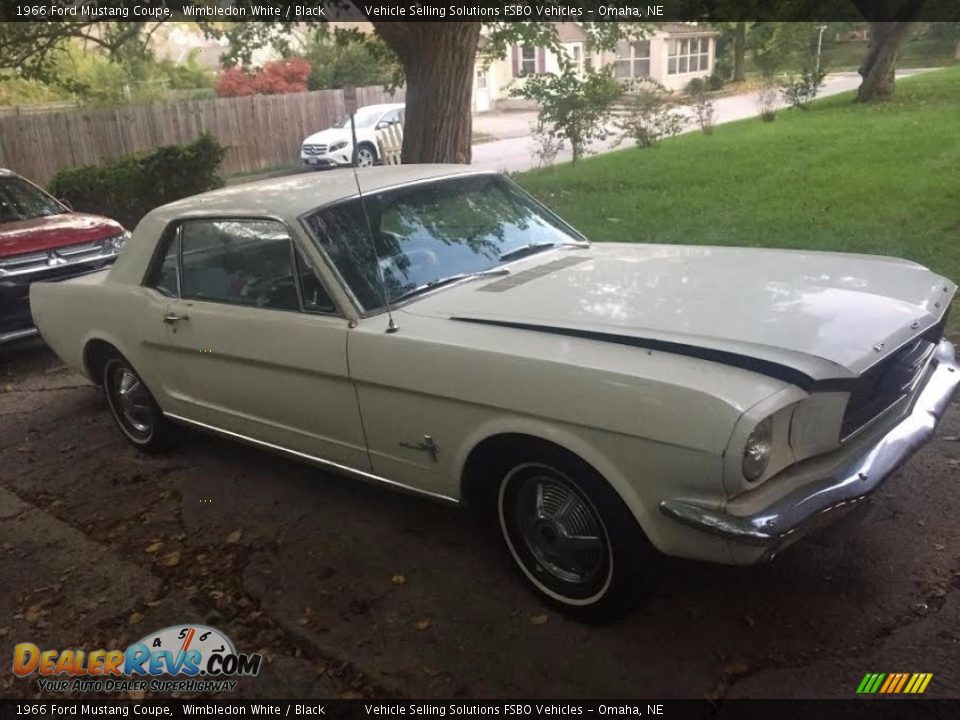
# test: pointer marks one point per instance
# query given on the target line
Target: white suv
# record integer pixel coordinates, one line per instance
(334, 146)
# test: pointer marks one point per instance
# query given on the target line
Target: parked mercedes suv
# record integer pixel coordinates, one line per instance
(42, 238)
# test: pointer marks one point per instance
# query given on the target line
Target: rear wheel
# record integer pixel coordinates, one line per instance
(134, 409)
(569, 533)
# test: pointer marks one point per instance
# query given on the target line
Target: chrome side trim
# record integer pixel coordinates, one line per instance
(362, 474)
(18, 335)
(799, 511)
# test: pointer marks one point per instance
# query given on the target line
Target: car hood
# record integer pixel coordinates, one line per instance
(824, 315)
(328, 137)
(54, 231)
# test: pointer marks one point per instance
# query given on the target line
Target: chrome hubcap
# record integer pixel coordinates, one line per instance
(561, 529)
(364, 157)
(133, 401)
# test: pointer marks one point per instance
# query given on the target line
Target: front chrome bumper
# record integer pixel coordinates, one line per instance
(820, 502)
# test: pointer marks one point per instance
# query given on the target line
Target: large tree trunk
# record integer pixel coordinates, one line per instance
(438, 59)
(879, 68)
(739, 52)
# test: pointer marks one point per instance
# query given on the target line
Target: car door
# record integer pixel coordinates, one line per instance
(260, 344)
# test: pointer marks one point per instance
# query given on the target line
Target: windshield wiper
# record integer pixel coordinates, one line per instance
(433, 284)
(533, 248)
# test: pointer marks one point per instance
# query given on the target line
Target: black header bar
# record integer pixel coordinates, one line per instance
(479, 10)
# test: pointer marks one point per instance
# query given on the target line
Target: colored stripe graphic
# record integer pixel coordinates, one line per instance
(894, 683)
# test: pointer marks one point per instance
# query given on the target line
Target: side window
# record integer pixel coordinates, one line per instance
(315, 298)
(166, 278)
(241, 262)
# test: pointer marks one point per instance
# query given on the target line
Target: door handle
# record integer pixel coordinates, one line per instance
(171, 318)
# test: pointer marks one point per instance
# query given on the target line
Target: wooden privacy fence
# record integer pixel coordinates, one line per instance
(259, 131)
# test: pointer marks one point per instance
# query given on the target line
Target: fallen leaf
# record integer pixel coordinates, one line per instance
(4, 632)
(172, 559)
(154, 547)
(539, 619)
(234, 537)
(135, 618)
(34, 613)
(399, 580)
(424, 625)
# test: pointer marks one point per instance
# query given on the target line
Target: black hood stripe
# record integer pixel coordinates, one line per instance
(745, 362)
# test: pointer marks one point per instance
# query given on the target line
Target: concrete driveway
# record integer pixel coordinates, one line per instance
(514, 152)
(350, 590)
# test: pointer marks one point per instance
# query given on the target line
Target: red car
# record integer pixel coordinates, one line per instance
(43, 239)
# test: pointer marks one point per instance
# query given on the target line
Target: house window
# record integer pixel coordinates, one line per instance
(688, 55)
(633, 59)
(481, 79)
(528, 60)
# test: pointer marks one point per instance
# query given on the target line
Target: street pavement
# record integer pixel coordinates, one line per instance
(514, 150)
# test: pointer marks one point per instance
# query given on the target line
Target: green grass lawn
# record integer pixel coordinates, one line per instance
(881, 179)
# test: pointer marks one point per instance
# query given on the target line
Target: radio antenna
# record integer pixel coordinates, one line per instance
(350, 101)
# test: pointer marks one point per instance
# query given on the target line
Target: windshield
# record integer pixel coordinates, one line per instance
(19, 200)
(428, 232)
(366, 117)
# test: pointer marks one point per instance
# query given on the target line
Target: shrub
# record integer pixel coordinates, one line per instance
(704, 113)
(129, 188)
(573, 108)
(650, 116)
(275, 78)
(800, 91)
(697, 86)
(717, 80)
(768, 99)
(548, 144)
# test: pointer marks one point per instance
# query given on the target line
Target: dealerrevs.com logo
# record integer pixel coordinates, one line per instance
(196, 657)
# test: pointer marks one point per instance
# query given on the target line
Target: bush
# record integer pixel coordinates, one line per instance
(275, 78)
(768, 100)
(697, 86)
(651, 115)
(572, 108)
(716, 80)
(129, 188)
(802, 90)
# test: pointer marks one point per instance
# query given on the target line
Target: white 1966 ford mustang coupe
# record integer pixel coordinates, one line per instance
(600, 400)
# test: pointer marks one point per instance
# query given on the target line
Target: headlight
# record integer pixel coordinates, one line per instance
(118, 242)
(337, 146)
(757, 451)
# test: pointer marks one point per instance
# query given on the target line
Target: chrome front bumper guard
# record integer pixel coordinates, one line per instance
(819, 502)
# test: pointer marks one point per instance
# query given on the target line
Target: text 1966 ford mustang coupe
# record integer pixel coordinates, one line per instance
(599, 399)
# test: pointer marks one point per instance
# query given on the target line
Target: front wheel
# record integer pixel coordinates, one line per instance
(570, 534)
(134, 409)
(364, 156)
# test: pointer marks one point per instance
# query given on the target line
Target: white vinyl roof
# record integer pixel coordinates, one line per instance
(293, 195)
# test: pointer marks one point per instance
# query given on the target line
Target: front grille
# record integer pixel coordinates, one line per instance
(888, 381)
(314, 149)
(58, 263)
